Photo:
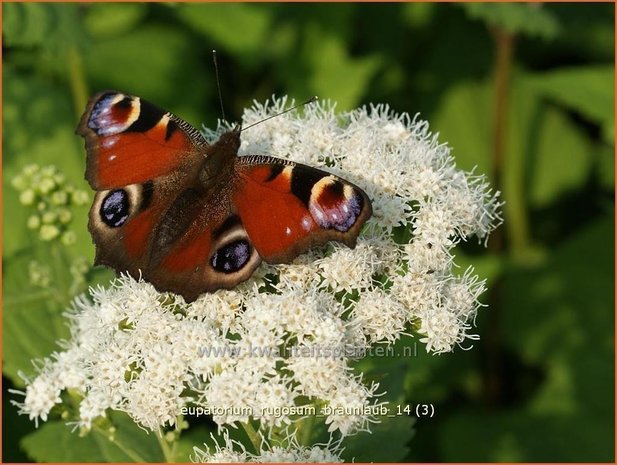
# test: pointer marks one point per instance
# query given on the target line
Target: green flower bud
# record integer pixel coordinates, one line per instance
(34, 221)
(59, 198)
(64, 215)
(80, 197)
(69, 238)
(19, 182)
(49, 217)
(48, 232)
(46, 185)
(27, 197)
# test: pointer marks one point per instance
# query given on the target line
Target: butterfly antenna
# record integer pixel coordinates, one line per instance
(311, 100)
(218, 83)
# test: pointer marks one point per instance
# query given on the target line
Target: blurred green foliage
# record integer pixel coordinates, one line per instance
(539, 386)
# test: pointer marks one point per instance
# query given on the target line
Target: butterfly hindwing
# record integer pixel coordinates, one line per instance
(173, 240)
(287, 207)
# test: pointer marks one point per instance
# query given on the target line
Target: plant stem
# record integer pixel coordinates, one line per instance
(510, 181)
(503, 64)
(307, 430)
(77, 80)
(167, 452)
(253, 436)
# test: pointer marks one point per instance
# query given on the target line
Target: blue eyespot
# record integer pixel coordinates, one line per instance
(231, 257)
(115, 208)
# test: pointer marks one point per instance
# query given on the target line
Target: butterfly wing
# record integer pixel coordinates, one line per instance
(129, 141)
(287, 208)
(152, 216)
(191, 217)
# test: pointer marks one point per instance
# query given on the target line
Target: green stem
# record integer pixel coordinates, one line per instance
(253, 436)
(134, 456)
(167, 451)
(77, 80)
(504, 43)
(510, 181)
(306, 429)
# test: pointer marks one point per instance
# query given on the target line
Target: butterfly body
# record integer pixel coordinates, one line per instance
(192, 217)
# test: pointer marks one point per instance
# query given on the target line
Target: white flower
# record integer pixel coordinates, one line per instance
(379, 316)
(40, 396)
(442, 331)
(284, 335)
(287, 451)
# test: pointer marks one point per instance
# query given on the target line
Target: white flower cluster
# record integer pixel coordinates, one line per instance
(234, 452)
(283, 341)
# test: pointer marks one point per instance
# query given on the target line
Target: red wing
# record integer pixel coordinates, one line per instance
(177, 240)
(131, 141)
(287, 208)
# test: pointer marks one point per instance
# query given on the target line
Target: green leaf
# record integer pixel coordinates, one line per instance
(463, 121)
(395, 431)
(606, 167)
(26, 24)
(109, 19)
(54, 442)
(587, 90)
(196, 436)
(419, 15)
(392, 429)
(563, 311)
(561, 158)
(517, 18)
(329, 59)
(520, 436)
(573, 293)
(54, 27)
(239, 27)
(32, 319)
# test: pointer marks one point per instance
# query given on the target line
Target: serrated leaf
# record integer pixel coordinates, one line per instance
(588, 90)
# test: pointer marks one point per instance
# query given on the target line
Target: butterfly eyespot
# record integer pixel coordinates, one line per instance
(231, 257)
(334, 205)
(115, 208)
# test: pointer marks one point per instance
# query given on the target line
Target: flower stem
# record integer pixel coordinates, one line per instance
(307, 430)
(253, 436)
(167, 451)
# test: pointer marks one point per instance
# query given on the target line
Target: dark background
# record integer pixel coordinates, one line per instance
(522, 91)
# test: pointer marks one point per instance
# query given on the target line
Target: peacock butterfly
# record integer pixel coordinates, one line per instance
(192, 217)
